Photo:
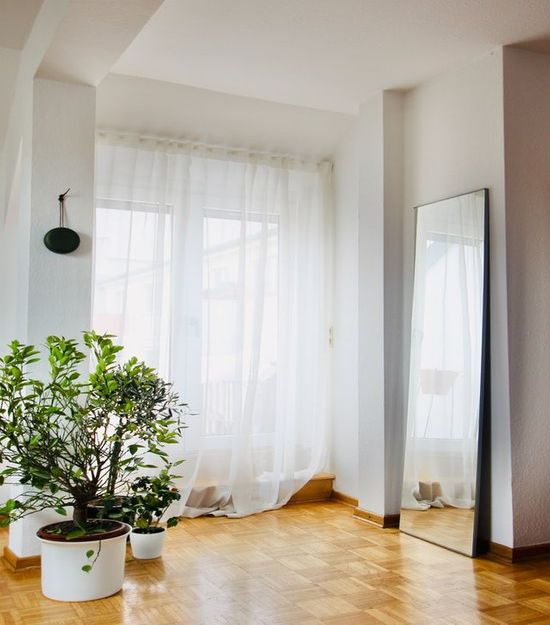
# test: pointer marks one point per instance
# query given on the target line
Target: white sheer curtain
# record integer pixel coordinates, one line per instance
(213, 266)
(446, 344)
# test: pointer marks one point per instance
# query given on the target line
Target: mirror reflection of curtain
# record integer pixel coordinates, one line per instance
(212, 267)
(445, 366)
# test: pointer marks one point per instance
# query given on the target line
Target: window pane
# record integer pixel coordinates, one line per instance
(132, 279)
(240, 306)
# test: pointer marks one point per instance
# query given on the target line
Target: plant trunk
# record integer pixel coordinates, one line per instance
(115, 457)
(80, 515)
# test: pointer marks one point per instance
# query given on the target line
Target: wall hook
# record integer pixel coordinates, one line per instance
(62, 240)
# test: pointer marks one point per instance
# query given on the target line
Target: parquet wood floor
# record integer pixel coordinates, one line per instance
(310, 564)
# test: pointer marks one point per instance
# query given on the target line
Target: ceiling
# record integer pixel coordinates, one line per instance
(327, 54)
(91, 37)
(16, 20)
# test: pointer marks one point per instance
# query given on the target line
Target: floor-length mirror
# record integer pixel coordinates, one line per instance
(447, 372)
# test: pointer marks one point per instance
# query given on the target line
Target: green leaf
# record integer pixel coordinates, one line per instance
(86, 568)
(40, 473)
(89, 553)
(8, 507)
(61, 511)
(77, 533)
(172, 522)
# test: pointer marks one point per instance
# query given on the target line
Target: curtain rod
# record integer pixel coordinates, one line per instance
(210, 147)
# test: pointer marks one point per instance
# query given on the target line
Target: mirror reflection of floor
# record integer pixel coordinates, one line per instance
(449, 527)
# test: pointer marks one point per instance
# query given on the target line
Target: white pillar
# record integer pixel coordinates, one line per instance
(59, 285)
(381, 388)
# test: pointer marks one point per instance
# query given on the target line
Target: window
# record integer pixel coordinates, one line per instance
(211, 266)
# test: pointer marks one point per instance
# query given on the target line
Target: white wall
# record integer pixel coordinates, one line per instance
(13, 258)
(527, 124)
(9, 65)
(454, 143)
(63, 156)
(345, 391)
(151, 107)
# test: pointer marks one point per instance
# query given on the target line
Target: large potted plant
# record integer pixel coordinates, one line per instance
(61, 439)
(152, 496)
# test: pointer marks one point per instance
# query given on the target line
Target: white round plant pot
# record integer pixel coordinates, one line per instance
(147, 546)
(61, 561)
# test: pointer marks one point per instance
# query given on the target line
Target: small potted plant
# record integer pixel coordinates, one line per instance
(59, 439)
(151, 499)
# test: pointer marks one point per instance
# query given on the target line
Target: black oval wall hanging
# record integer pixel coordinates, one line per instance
(62, 240)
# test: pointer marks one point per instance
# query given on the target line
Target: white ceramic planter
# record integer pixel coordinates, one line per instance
(147, 546)
(63, 578)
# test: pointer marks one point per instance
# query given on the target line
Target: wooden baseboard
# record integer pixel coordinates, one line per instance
(319, 488)
(16, 563)
(380, 520)
(516, 554)
(530, 551)
(345, 499)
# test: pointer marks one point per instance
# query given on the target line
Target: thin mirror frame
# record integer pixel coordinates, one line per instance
(484, 373)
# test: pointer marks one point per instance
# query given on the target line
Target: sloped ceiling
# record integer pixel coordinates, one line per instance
(92, 36)
(328, 54)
